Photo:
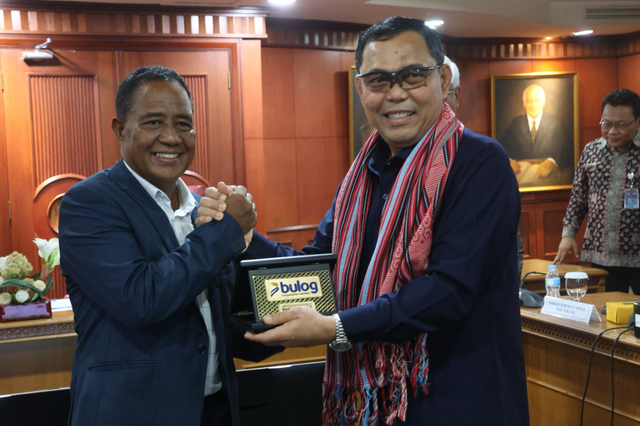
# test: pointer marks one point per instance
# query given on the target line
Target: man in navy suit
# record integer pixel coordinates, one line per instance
(538, 139)
(150, 292)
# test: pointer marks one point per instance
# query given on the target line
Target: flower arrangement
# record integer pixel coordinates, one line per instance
(17, 286)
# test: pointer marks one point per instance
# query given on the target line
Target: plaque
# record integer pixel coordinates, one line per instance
(267, 286)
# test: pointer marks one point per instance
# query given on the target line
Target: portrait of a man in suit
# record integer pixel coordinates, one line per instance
(538, 144)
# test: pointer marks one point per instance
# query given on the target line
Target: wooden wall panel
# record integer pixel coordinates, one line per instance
(64, 125)
(527, 226)
(253, 127)
(5, 204)
(549, 228)
(281, 186)
(320, 86)
(150, 20)
(596, 78)
(475, 85)
(320, 166)
(278, 90)
(628, 67)
(202, 162)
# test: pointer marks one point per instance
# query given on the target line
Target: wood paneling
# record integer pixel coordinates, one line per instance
(320, 85)
(281, 187)
(596, 78)
(64, 122)
(5, 202)
(320, 166)
(312, 34)
(150, 20)
(628, 67)
(549, 228)
(278, 90)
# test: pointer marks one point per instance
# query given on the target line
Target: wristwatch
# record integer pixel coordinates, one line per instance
(341, 343)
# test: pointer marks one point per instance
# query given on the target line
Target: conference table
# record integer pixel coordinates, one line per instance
(556, 354)
(535, 282)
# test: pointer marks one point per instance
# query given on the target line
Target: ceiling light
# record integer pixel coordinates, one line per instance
(432, 23)
(583, 32)
(281, 2)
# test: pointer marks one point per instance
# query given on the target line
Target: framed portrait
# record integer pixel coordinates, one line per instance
(359, 127)
(535, 119)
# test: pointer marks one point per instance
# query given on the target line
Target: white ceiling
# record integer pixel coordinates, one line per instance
(463, 18)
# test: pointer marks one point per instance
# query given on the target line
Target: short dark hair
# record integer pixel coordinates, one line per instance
(395, 25)
(124, 97)
(623, 97)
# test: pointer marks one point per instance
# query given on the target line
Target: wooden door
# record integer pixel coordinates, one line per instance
(55, 116)
(207, 74)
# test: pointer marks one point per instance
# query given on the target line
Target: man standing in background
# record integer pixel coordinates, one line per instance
(605, 189)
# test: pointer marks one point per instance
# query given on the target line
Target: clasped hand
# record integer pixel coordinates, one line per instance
(235, 200)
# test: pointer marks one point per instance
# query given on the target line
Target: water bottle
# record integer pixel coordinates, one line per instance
(552, 282)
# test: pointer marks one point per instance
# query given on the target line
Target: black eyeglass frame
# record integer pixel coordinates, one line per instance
(395, 76)
(615, 126)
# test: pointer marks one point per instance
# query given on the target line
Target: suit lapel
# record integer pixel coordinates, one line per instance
(132, 188)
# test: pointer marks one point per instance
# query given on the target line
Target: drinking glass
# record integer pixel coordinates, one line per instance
(576, 284)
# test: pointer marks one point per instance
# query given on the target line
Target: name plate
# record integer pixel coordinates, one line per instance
(570, 309)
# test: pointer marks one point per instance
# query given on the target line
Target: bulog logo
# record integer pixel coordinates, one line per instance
(293, 288)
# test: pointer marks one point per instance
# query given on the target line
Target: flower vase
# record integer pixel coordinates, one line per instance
(26, 311)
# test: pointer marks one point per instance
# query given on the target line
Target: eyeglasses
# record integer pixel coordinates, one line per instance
(407, 78)
(621, 127)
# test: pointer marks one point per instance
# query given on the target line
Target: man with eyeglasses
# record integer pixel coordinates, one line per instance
(605, 189)
(424, 227)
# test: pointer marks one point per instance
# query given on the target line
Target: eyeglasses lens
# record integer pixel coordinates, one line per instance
(407, 79)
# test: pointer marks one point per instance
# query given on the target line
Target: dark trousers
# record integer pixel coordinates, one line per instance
(620, 278)
(216, 410)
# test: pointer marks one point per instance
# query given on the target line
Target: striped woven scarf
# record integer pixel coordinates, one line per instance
(374, 374)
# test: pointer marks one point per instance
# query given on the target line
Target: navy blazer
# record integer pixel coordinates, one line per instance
(551, 140)
(141, 355)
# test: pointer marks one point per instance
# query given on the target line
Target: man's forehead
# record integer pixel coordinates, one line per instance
(408, 44)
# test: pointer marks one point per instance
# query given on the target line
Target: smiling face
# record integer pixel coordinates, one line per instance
(617, 115)
(158, 140)
(402, 116)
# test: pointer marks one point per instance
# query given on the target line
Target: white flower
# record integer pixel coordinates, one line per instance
(1, 280)
(40, 285)
(3, 263)
(5, 298)
(49, 251)
(22, 296)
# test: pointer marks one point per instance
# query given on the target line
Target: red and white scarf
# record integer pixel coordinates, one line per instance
(374, 374)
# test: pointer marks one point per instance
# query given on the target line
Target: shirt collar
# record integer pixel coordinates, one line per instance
(187, 202)
(537, 119)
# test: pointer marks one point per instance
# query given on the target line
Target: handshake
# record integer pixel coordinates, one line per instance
(235, 201)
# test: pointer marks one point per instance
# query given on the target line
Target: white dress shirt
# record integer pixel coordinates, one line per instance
(181, 223)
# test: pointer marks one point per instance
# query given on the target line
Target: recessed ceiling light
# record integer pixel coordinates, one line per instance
(583, 32)
(432, 23)
(281, 2)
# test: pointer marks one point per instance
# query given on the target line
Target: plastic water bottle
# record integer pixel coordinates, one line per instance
(552, 282)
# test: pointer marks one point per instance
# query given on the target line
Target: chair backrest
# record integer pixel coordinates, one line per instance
(198, 189)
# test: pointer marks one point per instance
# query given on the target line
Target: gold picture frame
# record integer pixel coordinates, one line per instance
(553, 140)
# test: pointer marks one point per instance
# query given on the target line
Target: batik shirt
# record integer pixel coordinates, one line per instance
(612, 237)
